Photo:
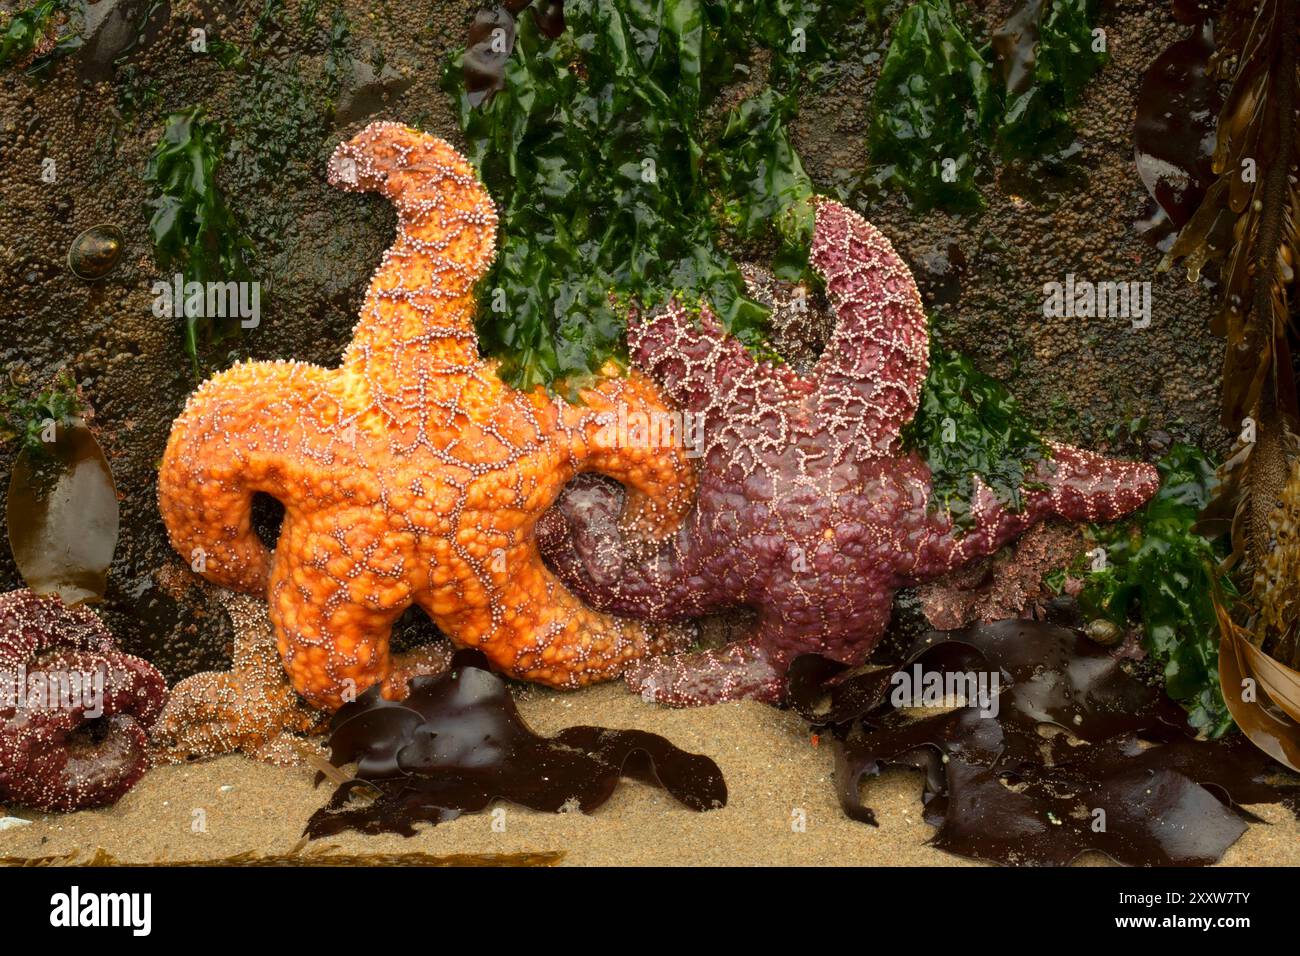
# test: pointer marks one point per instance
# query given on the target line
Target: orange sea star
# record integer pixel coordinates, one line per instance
(412, 473)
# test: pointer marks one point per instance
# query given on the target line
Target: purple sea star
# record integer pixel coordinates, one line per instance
(809, 508)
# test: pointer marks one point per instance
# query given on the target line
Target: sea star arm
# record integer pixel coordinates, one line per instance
(236, 436)
(692, 358)
(869, 376)
(1075, 484)
(543, 633)
(735, 671)
(333, 597)
(416, 327)
(624, 430)
(251, 707)
(866, 383)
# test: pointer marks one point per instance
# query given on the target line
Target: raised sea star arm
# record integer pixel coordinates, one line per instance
(701, 368)
(417, 322)
(235, 437)
(869, 376)
(866, 384)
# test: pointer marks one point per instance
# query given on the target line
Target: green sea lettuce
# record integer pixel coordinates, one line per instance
(1158, 570)
(944, 106)
(934, 109)
(192, 227)
(617, 177)
(968, 423)
(1035, 119)
(25, 30)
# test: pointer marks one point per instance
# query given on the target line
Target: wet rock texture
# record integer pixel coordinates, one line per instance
(316, 250)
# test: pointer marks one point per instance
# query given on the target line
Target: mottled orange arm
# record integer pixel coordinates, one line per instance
(625, 429)
(236, 436)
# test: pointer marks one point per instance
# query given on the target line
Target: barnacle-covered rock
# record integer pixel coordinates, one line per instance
(74, 710)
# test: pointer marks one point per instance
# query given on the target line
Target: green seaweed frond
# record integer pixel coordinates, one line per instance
(30, 38)
(1157, 570)
(967, 424)
(29, 419)
(613, 172)
(945, 106)
(191, 225)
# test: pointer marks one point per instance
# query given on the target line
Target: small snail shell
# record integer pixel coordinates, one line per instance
(96, 252)
(1104, 632)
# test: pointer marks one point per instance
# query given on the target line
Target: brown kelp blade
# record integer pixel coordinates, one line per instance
(1260, 717)
(1281, 683)
(1173, 136)
(62, 516)
(458, 743)
(1071, 754)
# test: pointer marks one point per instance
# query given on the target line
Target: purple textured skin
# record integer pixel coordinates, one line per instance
(808, 508)
(42, 764)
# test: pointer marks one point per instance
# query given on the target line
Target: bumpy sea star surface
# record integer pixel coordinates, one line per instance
(74, 710)
(251, 708)
(1008, 585)
(412, 473)
(809, 508)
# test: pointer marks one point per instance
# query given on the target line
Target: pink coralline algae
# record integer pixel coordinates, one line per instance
(809, 508)
(74, 710)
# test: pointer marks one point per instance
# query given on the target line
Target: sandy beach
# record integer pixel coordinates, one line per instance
(771, 766)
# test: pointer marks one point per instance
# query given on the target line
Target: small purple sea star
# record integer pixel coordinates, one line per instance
(809, 509)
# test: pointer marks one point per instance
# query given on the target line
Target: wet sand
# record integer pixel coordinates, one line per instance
(770, 764)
